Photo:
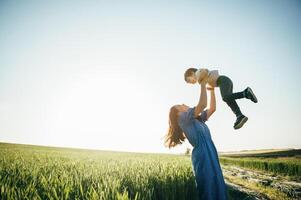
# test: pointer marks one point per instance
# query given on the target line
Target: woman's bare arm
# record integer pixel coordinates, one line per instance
(202, 104)
(212, 106)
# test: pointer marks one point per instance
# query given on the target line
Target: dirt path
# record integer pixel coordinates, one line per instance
(246, 178)
(237, 192)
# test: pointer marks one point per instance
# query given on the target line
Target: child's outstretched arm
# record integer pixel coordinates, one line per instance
(212, 106)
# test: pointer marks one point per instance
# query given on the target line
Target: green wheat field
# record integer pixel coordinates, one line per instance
(35, 172)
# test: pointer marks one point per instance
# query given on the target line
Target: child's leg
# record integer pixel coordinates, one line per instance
(233, 96)
(226, 88)
(234, 107)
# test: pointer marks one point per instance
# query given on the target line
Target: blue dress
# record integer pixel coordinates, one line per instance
(206, 167)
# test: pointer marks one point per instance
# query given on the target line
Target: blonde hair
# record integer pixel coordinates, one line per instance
(174, 134)
(189, 72)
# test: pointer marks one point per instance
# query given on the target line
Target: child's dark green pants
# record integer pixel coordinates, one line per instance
(226, 87)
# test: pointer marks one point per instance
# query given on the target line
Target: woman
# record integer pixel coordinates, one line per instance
(185, 122)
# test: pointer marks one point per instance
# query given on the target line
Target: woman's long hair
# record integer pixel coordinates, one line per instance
(174, 134)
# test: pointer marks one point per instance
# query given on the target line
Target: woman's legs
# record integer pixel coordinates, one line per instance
(208, 173)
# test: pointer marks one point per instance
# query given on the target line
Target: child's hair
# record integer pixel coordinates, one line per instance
(189, 72)
(174, 134)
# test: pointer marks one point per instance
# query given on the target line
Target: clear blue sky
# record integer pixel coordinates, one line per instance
(103, 74)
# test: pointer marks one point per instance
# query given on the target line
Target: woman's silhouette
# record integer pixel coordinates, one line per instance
(186, 122)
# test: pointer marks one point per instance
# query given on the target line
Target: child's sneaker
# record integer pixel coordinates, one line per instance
(250, 95)
(240, 121)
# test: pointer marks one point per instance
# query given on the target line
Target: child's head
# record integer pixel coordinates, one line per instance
(190, 76)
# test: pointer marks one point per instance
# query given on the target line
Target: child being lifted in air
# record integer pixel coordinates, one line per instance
(193, 75)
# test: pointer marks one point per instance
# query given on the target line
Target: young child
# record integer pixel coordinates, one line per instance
(193, 75)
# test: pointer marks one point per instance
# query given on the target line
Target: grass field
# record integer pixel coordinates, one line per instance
(272, 174)
(284, 166)
(31, 172)
(34, 172)
(284, 162)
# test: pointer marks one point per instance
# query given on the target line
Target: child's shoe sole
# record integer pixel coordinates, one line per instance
(241, 123)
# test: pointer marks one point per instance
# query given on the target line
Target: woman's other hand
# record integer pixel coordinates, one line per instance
(212, 106)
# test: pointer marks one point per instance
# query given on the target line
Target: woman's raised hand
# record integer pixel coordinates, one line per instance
(202, 104)
(203, 81)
